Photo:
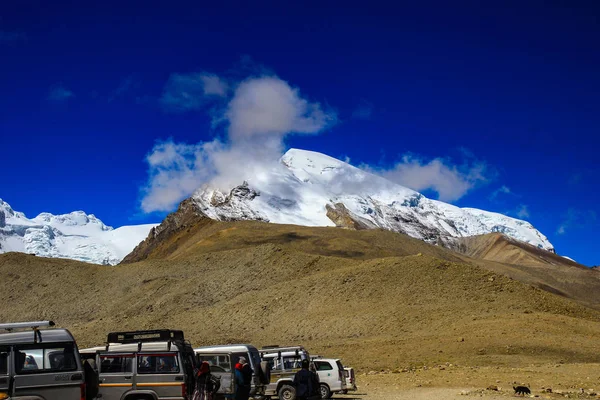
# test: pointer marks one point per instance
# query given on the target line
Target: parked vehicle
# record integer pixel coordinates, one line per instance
(350, 379)
(144, 365)
(222, 360)
(40, 363)
(284, 362)
(331, 376)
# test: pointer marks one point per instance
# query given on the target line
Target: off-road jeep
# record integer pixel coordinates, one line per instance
(40, 364)
(144, 365)
(284, 363)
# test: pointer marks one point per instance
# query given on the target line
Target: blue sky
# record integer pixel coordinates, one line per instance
(499, 100)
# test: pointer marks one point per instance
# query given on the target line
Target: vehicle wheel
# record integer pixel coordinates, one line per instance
(287, 392)
(324, 390)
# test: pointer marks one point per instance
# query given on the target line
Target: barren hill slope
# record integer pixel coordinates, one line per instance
(532, 265)
(377, 299)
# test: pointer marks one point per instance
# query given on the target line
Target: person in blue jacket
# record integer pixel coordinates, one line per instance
(243, 379)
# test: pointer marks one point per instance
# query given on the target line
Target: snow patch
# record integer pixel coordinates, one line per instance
(77, 236)
(299, 189)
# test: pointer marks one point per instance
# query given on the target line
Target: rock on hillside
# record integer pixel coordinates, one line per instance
(188, 215)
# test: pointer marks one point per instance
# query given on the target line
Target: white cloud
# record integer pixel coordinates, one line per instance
(269, 106)
(450, 182)
(576, 219)
(258, 116)
(501, 190)
(213, 85)
(60, 94)
(191, 92)
(523, 211)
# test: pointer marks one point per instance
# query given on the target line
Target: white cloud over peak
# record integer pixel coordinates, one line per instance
(449, 181)
(501, 190)
(258, 115)
(191, 92)
(270, 106)
(575, 218)
(523, 211)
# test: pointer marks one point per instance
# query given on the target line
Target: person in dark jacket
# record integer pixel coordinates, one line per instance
(306, 383)
(243, 379)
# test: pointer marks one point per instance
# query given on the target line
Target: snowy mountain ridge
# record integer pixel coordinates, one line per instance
(313, 189)
(77, 235)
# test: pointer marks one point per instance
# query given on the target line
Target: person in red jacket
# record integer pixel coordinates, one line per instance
(206, 383)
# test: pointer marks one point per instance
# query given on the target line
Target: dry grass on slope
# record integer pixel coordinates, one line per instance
(367, 297)
(531, 265)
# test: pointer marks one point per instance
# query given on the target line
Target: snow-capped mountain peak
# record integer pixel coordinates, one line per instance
(76, 235)
(313, 189)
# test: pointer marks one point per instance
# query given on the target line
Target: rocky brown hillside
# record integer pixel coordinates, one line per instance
(375, 298)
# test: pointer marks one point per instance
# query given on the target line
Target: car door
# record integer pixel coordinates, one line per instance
(222, 368)
(115, 375)
(161, 373)
(326, 374)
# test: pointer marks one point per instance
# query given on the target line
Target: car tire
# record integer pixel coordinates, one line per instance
(287, 392)
(324, 391)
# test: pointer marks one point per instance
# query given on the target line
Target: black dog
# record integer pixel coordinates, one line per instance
(522, 390)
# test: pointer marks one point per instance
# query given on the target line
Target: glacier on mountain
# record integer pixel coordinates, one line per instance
(313, 189)
(77, 235)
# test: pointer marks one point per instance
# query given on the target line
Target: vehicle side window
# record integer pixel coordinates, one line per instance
(323, 366)
(158, 364)
(117, 363)
(291, 362)
(39, 358)
(218, 363)
(3, 361)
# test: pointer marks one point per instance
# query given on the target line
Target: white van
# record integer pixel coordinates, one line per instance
(331, 376)
(222, 360)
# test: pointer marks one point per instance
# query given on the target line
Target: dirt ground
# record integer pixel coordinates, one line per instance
(548, 381)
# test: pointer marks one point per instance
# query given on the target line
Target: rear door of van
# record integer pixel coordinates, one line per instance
(116, 374)
(221, 367)
(161, 373)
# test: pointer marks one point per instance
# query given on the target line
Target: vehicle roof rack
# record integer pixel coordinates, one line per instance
(273, 349)
(156, 335)
(24, 325)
